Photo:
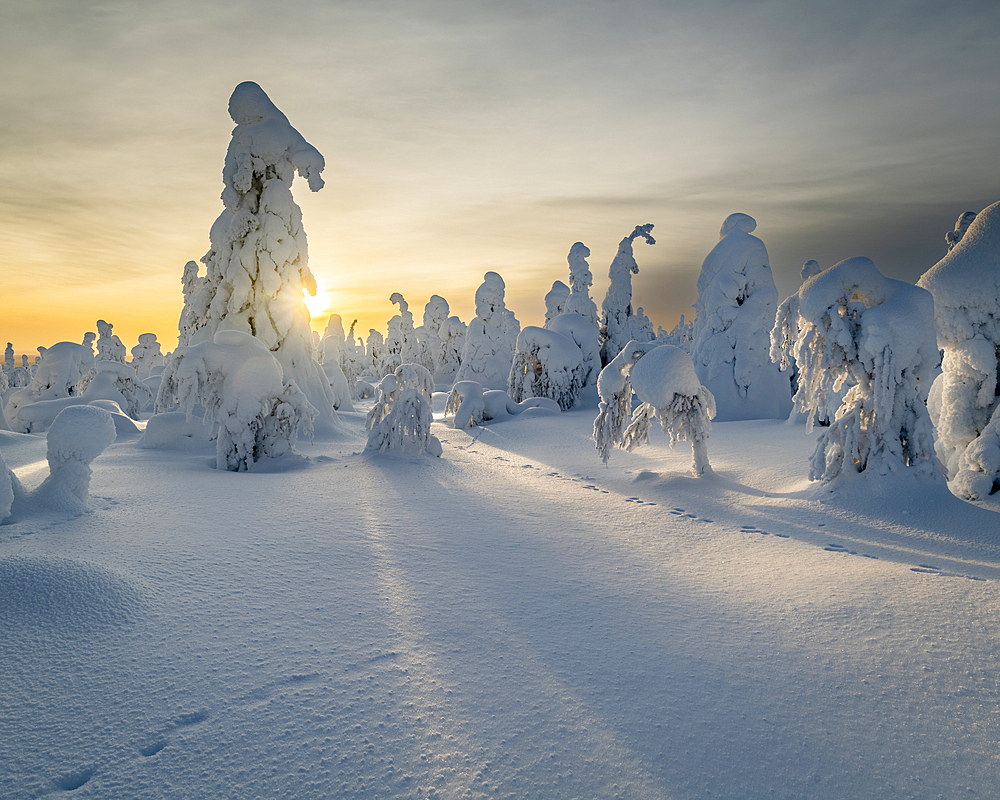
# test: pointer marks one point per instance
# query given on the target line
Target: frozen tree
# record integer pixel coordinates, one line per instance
(257, 267)
(555, 300)
(965, 401)
(252, 411)
(401, 344)
(88, 340)
(614, 388)
(491, 337)
(4, 425)
(429, 336)
(619, 324)
(109, 346)
(737, 300)
(196, 301)
(452, 333)
(580, 281)
(400, 420)
(856, 326)
(679, 336)
(810, 268)
(146, 355)
(953, 237)
(77, 436)
(58, 376)
(583, 333)
(8, 357)
(547, 364)
(375, 356)
(332, 341)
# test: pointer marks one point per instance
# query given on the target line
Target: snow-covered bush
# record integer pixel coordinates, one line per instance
(555, 300)
(77, 436)
(257, 267)
(965, 402)
(471, 405)
(238, 382)
(491, 337)
(619, 324)
(737, 300)
(547, 364)
(57, 376)
(400, 420)
(854, 325)
(953, 237)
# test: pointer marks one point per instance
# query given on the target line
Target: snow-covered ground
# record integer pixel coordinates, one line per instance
(512, 620)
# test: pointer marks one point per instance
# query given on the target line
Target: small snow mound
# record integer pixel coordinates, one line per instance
(60, 593)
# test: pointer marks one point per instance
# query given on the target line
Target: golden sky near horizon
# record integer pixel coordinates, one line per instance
(463, 137)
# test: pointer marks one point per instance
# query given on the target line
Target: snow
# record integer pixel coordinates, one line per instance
(491, 337)
(510, 620)
(547, 364)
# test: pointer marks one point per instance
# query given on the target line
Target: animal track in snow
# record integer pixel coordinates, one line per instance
(73, 780)
(930, 569)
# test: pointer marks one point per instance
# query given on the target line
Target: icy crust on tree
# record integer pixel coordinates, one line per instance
(619, 324)
(730, 346)
(857, 326)
(473, 405)
(491, 337)
(547, 364)
(257, 267)
(664, 381)
(966, 405)
(400, 421)
(238, 382)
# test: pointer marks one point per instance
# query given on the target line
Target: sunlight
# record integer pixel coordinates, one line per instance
(317, 304)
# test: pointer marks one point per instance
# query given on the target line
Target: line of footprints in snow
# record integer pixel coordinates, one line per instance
(832, 547)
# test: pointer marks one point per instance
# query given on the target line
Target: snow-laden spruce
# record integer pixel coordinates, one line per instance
(667, 387)
(856, 326)
(251, 410)
(730, 346)
(429, 336)
(491, 337)
(60, 371)
(257, 267)
(965, 405)
(400, 420)
(146, 355)
(619, 323)
(580, 281)
(401, 344)
(547, 364)
(555, 300)
(109, 346)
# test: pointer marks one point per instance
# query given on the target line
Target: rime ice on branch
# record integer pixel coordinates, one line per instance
(854, 325)
(619, 323)
(257, 267)
(735, 311)
(965, 403)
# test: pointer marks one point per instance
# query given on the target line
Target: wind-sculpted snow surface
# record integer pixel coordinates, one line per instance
(965, 404)
(400, 421)
(238, 382)
(852, 324)
(257, 267)
(547, 364)
(737, 300)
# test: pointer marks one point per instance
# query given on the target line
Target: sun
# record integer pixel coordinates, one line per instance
(317, 304)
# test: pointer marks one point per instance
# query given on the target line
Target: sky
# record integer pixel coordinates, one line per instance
(464, 137)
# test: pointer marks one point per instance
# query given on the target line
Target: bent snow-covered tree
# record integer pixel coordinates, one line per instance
(400, 420)
(965, 403)
(876, 334)
(257, 267)
(619, 323)
(730, 345)
(667, 387)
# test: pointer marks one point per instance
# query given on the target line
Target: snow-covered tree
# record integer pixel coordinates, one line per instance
(146, 355)
(965, 403)
(257, 267)
(8, 357)
(584, 334)
(580, 281)
(555, 300)
(58, 376)
(452, 332)
(856, 326)
(614, 388)
(619, 324)
(678, 336)
(109, 346)
(810, 268)
(401, 345)
(252, 411)
(429, 336)
(547, 364)
(196, 301)
(737, 300)
(375, 355)
(491, 337)
(400, 420)
(953, 237)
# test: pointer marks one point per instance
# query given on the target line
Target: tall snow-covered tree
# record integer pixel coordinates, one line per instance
(965, 402)
(854, 325)
(257, 267)
(491, 337)
(619, 324)
(580, 281)
(730, 346)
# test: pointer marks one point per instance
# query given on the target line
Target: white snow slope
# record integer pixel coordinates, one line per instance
(512, 620)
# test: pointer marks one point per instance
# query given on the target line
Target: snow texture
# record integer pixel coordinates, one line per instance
(966, 407)
(491, 337)
(257, 267)
(238, 382)
(855, 325)
(584, 334)
(735, 310)
(109, 346)
(619, 323)
(547, 364)
(400, 421)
